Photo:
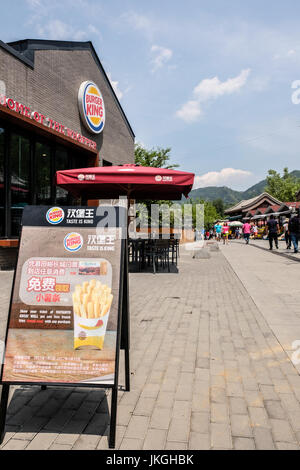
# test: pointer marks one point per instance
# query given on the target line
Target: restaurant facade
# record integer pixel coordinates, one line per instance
(58, 111)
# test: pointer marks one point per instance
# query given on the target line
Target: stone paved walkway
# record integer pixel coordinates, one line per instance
(207, 373)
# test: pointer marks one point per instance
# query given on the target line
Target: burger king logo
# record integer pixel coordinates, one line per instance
(55, 215)
(91, 106)
(73, 242)
(158, 178)
(80, 177)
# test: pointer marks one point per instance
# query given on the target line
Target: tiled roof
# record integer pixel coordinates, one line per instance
(242, 205)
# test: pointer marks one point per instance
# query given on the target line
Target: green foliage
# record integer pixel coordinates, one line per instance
(158, 158)
(282, 187)
(210, 212)
(219, 205)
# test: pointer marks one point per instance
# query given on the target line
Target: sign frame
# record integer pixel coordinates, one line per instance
(122, 341)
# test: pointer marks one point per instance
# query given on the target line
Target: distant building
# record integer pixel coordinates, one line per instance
(260, 208)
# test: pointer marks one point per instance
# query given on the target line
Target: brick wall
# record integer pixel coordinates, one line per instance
(51, 88)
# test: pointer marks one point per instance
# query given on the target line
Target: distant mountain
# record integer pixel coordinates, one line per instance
(228, 195)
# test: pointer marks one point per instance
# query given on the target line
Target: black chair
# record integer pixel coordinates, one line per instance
(158, 251)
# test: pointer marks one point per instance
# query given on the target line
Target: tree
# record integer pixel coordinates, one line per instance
(158, 157)
(282, 187)
(210, 212)
(219, 205)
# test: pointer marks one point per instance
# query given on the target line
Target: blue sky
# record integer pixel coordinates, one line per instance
(212, 80)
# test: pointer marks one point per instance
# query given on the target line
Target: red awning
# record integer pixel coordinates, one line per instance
(136, 182)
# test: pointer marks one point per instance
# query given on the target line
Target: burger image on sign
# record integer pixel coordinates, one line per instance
(73, 242)
(91, 106)
(55, 215)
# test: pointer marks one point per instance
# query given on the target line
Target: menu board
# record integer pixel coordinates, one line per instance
(64, 314)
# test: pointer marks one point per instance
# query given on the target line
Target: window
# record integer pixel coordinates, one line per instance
(61, 163)
(2, 211)
(43, 173)
(19, 161)
(27, 170)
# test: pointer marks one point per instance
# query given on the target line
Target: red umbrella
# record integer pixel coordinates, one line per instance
(133, 181)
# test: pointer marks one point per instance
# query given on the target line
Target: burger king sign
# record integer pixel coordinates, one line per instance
(91, 106)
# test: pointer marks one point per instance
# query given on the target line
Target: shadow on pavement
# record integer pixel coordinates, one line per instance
(61, 410)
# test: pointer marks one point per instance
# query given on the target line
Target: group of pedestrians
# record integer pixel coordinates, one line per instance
(291, 232)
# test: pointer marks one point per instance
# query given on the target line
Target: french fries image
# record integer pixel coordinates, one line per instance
(91, 304)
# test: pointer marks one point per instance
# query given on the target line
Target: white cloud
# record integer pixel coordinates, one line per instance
(93, 30)
(210, 89)
(115, 86)
(57, 29)
(33, 3)
(190, 111)
(224, 177)
(161, 56)
(139, 22)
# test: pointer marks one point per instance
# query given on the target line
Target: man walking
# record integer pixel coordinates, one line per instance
(247, 231)
(287, 235)
(218, 229)
(273, 229)
(294, 231)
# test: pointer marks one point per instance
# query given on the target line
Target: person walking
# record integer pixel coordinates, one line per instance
(272, 231)
(287, 235)
(225, 232)
(218, 229)
(294, 231)
(246, 232)
(254, 231)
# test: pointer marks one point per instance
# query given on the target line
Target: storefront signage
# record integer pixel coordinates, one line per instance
(91, 107)
(64, 316)
(46, 121)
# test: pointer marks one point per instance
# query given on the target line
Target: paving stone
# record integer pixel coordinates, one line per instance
(282, 430)
(238, 406)
(219, 413)
(198, 441)
(124, 414)
(253, 398)
(161, 418)
(60, 447)
(287, 446)
(200, 423)
(137, 427)
(240, 426)
(131, 444)
(221, 436)
(144, 406)
(16, 444)
(42, 441)
(155, 439)
(274, 409)
(86, 442)
(235, 390)
(259, 417)
(179, 430)
(176, 446)
(243, 443)
(263, 439)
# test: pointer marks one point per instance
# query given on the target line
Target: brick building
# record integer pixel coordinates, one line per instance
(47, 124)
